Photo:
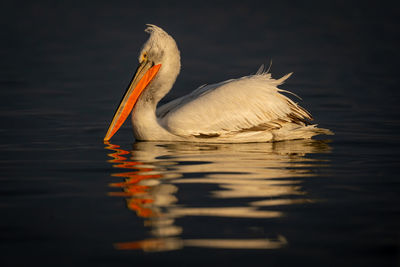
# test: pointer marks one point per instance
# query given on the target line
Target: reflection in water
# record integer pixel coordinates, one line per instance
(256, 176)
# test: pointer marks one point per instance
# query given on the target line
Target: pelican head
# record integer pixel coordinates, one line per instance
(159, 48)
(159, 65)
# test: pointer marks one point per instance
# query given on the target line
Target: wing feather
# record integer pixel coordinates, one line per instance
(251, 103)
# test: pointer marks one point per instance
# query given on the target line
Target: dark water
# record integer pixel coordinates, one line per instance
(67, 199)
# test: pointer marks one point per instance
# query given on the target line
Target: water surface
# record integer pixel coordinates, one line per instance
(241, 181)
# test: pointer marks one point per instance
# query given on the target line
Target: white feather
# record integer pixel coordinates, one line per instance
(230, 106)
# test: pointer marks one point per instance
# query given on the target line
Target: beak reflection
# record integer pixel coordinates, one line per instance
(256, 182)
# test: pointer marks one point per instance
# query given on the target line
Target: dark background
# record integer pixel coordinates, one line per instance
(67, 57)
(65, 65)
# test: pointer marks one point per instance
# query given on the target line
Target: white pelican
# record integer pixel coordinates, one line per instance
(247, 109)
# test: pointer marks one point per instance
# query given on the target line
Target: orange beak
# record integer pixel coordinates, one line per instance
(143, 76)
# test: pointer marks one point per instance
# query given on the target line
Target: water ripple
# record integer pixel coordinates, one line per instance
(245, 181)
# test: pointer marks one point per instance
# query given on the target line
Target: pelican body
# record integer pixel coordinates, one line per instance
(247, 109)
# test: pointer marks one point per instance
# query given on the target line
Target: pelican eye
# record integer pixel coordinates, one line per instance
(143, 57)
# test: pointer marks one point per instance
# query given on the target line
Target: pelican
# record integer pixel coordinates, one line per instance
(243, 110)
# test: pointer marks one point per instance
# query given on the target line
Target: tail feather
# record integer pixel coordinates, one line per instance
(290, 133)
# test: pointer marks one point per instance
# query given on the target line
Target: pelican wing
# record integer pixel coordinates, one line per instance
(251, 103)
